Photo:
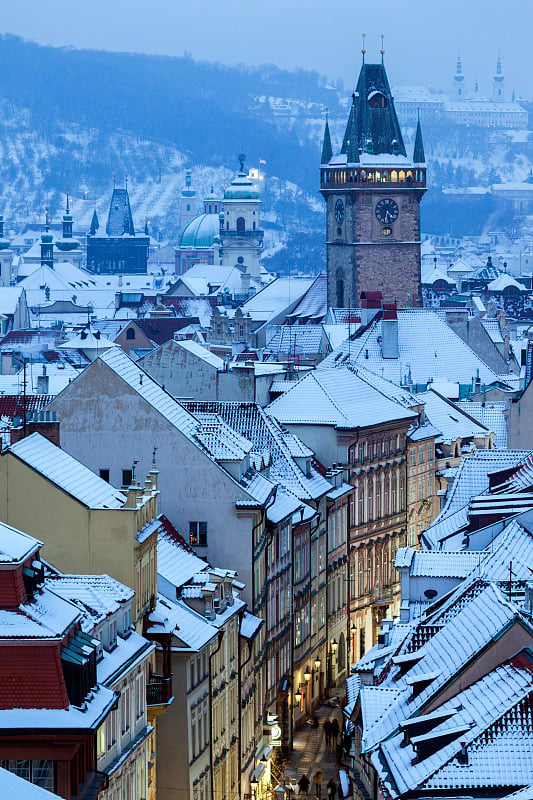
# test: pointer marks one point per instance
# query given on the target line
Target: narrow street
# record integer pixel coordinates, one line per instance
(310, 752)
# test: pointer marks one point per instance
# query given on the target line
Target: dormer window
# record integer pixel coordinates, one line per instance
(377, 100)
(112, 635)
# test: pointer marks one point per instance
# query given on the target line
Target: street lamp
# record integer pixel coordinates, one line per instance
(298, 696)
(307, 674)
(334, 646)
(317, 664)
(253, 786)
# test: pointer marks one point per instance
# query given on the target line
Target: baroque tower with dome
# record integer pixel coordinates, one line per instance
(228, 233)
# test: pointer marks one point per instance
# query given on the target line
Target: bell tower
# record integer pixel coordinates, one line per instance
(373, 191)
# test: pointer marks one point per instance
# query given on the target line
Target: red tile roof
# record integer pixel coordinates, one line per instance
(32, 677)
(12, 405)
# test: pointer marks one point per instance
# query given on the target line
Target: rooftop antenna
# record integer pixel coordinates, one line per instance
(363, 50)
(47, 219)
(382, 51)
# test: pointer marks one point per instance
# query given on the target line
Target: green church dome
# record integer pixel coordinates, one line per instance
(242, 188)
(201, 231)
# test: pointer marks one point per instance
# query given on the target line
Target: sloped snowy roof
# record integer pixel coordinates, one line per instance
(16, 546)
(336, 397)
(490, 415)
(451, 421)
(14, 788)
(66, 472)
(275, 297)
(250, 625)
(201, 352)
(504, 281)
(428, 349)
(306, 339)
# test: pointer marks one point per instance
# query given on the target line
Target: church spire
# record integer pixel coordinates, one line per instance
(327, 151)
(418, 153)
(94, 223)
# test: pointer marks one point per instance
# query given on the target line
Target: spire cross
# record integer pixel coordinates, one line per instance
(363, 51)
(67, 208)
(382, 51)
(47, 220)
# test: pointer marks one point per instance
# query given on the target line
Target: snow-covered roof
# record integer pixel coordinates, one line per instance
(490, 719)
(492, 326)
(306, 339)
(490, 415)
(504, 281)
(16, 546)
(9, 298)
(276, 297)
(449, 419)
(201, 352)
(445, 639)
(250, 625)
(336, 396)
(427, 349)
(66, 472)
(14, 788)
(64, 276)
(96, 596)
(472, 476)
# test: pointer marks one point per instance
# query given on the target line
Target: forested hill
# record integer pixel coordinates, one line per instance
(204, 110)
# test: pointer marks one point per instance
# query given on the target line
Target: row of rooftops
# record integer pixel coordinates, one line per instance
(443, 701)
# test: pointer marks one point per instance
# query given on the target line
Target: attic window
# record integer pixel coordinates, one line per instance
(130, 333)
(377, 100)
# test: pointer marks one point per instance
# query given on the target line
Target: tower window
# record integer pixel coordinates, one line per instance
(241, 225)
(377, 100)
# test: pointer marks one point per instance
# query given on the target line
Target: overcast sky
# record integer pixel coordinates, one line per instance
(422, 37)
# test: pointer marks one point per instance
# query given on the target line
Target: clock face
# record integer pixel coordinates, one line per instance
(387, 211)
(339, 211)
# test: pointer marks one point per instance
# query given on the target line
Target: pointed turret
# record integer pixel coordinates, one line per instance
(327, 151)
(94, 223)
(418, 152)
(352, 149)
(120, 220)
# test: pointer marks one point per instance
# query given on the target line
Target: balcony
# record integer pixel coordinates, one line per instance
(382, 595)
(158, 690)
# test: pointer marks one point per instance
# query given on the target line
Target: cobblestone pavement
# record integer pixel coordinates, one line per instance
(311, 753)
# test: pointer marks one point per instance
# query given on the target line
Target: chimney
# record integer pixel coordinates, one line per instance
(389, 331)
(462, 755)
(118, 298)
(370, 305)
(245, 283)
(43, 382)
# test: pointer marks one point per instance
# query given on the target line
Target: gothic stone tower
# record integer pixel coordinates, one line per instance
(373, 193)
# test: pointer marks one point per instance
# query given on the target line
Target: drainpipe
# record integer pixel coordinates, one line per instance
(211, 771)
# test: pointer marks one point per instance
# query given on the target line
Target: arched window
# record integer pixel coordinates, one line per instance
(130, 333)
(394, 176)
(241, 225)
(401, 176)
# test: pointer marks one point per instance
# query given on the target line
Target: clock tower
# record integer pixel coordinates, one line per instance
(373, 193)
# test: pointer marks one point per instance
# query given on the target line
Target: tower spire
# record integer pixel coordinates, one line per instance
(352, 142)
(382, 51)
(418, 153)
(363, 50)
(327, 151)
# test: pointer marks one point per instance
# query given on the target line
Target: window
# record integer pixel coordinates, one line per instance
(421, 454)
(127, 478)
(361, 505)
(421, 488)
(241, 225)
(100, 741)
(198, 534)
(104, 474)
(412, 457)
(130, 333)
(40, 772)
(430, 451)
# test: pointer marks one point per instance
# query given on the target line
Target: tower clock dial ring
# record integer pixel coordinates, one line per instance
(339, 211)
(387, 211)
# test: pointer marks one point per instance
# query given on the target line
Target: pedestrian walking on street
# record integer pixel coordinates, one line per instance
(318, 783)
(332, 789)
(327, 731)
(335, 729)
(303, 785)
